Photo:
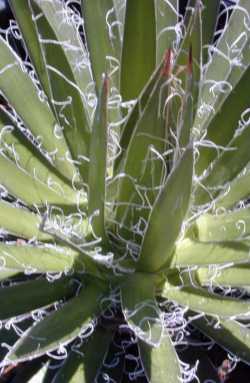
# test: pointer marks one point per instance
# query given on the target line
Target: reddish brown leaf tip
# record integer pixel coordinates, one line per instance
(190, 61)
(167, 64)
(106, 83)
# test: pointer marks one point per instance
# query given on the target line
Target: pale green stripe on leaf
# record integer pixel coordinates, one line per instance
(22, 94)
(28, 296)
(60, 327)
(167, 215)
(194, 253)
(140, 308)
(139, 47)
(231, 335)
(160, 362)
(200, 300)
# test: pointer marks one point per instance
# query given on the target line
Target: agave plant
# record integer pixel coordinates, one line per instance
(124, 172)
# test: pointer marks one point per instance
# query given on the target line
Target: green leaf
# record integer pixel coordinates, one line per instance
(228, 165)
(97, 166)
(192, 41)
(137, 110)
(230, 276)
(166, 20)
(17, 147)
(21, 222)
(194, 253)
(172, 202)
(160, 362)
(32, 373)
(209, 15)
(144, 167)
(30, 106)
(237, 190)
(83, 365)
(200, 300)
(100, 19)
(139, 47)
(23, 15)
(68, 74)
(38, 258)
(223, 227)
(114, 362)
(219, 130)
(185, 123)
(30, 189)
(228, 50)
(40, 375)
(5, 274)
(58, 328)
(140, 308)
(31, 295)
(231, 335)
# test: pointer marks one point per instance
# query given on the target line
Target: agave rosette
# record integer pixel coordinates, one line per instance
(124, 172)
